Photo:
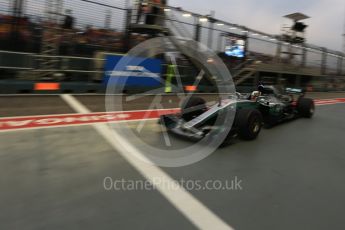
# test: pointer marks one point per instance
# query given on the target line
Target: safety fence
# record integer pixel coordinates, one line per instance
(100, 26)
(94, 27)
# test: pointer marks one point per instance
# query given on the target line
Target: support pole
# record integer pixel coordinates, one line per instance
(279, 51)
(197, 31)
(340, 64)
(127, 37)
(324, 61)
(304, 56)
(210, 33)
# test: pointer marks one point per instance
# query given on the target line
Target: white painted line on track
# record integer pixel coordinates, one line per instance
(196, 212)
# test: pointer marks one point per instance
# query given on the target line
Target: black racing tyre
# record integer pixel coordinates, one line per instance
(248, 123)
(306, 107)
(192, 107)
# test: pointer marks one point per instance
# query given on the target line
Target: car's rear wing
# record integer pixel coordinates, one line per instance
(294, 91)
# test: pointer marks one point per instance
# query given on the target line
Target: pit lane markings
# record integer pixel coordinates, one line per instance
(192, 209)
(329, 101)
(55, 121)
(21, 123)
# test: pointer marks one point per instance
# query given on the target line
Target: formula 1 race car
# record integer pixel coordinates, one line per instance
(267, 106)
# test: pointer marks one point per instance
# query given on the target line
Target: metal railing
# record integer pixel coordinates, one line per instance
(209, 30)
(78, 48)
(27, 66)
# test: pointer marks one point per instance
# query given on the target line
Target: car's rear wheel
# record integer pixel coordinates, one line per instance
(306, 107)
(192, 107)
(248, 123)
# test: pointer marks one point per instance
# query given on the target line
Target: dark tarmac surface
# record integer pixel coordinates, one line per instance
(292, 176)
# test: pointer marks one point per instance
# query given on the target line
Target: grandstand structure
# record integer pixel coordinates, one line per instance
(268, 58)
(301, 64)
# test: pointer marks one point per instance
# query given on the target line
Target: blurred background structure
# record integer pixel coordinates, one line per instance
(68, 41)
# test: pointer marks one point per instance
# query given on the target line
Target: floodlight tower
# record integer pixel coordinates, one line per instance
(17, 12)
(295, 35)
(51, 35)
(53, 10)
(17, 8)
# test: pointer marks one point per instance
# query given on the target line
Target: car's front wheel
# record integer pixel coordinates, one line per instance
(248, 123)
(306, 107)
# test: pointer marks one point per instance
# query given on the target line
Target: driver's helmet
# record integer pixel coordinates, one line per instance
(255, 95)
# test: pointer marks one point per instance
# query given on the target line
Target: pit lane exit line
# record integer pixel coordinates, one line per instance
(190, 207)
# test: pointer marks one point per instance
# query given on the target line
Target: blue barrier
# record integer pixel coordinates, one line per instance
(126, 71)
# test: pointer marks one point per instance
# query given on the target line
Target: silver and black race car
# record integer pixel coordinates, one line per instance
(248, 113)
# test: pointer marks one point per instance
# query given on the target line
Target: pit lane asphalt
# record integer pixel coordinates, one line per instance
(293, 178)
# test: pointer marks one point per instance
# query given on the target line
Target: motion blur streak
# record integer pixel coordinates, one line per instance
(189, 206)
